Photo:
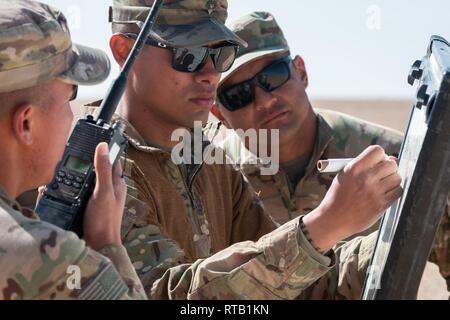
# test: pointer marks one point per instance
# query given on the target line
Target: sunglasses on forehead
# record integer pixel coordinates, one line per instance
(194, 59)
(270, 78)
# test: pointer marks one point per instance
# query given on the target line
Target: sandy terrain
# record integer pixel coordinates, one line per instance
(391, 113)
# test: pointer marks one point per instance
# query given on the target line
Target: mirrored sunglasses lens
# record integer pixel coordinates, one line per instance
(274, 76)
(239, 96)
(224, 58)
(189, 59)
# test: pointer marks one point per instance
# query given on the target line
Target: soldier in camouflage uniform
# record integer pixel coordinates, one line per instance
(40, 69)
(306, 135)
(229, 247)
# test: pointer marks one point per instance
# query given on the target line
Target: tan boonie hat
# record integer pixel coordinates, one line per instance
(35, 46)
(181, 23)
(263, 35)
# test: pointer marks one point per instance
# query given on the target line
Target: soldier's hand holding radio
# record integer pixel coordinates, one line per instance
(103, 215)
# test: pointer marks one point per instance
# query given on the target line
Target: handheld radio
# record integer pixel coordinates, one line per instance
(65, 198)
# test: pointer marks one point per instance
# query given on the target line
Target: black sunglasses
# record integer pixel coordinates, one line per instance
(194, 59)
(270, 78)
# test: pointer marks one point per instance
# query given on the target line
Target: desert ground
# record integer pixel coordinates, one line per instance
(394, 114)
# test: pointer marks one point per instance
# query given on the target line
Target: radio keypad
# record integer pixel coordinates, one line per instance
(76, 185)
(68, 179)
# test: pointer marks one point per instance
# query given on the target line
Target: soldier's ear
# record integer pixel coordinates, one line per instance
(299, 65)
(24, 118)
(120, 47)
(215, 110)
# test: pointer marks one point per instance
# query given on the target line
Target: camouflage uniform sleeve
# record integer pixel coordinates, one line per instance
(346, 279)
(119, 258)
(389, 139)
(52, 264)
(152, 253)
(103, 277)
(280, 265)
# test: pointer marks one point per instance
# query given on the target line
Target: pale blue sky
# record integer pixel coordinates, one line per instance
(352, 48)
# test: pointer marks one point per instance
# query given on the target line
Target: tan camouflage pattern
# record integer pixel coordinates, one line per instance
(191, 213)
(224, 278)
(35, 46)
(35, 258)
(339, 136)
(263, 35)
(181, 23)
(261, 32)
(247, 269)
(149, 250)
(278, 265)
(174, 12)
(346, 280)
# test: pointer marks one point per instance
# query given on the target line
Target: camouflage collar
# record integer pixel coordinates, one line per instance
(137, 141)
(8, 201)
(324, 138)
(252, 164)
(5, 198)
(132, 135)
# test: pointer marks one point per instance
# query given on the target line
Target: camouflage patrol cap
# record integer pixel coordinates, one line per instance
(263, 35)
(181, 23)
(35, 46)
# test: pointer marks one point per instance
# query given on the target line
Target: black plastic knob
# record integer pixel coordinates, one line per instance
(415, 73)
